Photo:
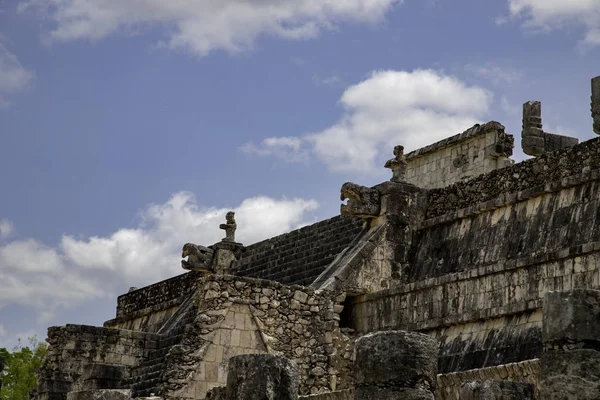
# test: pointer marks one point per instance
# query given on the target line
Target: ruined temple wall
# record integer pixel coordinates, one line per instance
(480, 268)
(148, 308)
(84, 357)
(549, 221)
(238, 315)
(489, 314)
(476, 151)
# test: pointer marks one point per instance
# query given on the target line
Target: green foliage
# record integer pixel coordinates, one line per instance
(18, 377)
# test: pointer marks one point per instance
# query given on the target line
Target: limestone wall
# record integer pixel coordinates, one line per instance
(148, 308)
(84, 357)
(242, 316)
(507, 296)
(550, 172)
(478, 150)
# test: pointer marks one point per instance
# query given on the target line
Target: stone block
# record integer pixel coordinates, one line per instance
(396, 359)
(262, 377)
(572, 316)
(101, 394)
(595, 104)
(496, 390)
(374, 393)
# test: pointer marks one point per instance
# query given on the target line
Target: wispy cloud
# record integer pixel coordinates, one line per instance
(494, 73)
(6, 228)
(201, 27)
(547, 15)
(332, 80)
(14, 77)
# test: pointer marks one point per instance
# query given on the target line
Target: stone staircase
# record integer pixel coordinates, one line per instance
(145, 378)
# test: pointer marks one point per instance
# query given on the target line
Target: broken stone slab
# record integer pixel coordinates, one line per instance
(101, 394)
(496, 390)
(262, 377)
(570, 375)
(395, 364)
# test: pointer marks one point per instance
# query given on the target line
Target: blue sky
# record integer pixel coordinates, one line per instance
(129, 128)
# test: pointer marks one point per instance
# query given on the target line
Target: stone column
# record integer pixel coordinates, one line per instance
(262, 377)
(595, 104)
(496, 390)
(532, 135)
(570, 362)
(394, 365)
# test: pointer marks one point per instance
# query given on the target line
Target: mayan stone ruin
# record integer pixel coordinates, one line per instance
(465, 276)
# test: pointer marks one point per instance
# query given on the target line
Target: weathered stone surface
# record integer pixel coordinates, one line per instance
(478, 150)
(572, 317)
(262, 377)
(101, 394)
(532, 135)
(218, 393)
(496, 390)
(298, 257)
(551, 172)
(573, 374)
(571, 335)
(339, 395)
(395, 359)
(363, 202)
(226, 253)
(595, 104)
(392, 393)
(526, 372)
(534, 140)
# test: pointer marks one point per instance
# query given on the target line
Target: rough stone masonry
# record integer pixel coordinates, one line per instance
(464, 276)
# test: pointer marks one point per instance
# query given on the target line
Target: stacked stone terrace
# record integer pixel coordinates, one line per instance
(460, 248)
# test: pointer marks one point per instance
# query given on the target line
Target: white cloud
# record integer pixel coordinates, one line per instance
(13, 76)
(2, 331)
(546, 15)
(47, 278)
(6, 228)
(203, 25)
(389, 108)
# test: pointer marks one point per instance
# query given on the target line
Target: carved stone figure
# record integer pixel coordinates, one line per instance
(363, 201)
(199, 257)
(229, 227)
(397, 165)
(595, 104)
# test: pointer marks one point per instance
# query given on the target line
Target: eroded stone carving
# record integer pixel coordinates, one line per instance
(595, 104)
(199, 257)
(363, 201)
(397, 165)
(229, 227)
